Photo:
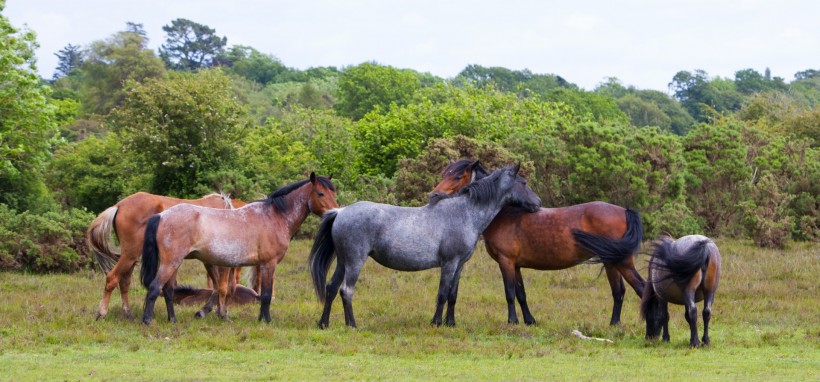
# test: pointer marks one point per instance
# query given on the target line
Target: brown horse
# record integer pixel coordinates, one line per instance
(556, 238)
(127, 219)
(257, 234)
(682, 272)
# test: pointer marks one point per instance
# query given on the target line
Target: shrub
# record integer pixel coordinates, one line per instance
(48, 242)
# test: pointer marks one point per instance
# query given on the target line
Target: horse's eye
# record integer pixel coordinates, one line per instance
(458, 177)
(321, 193)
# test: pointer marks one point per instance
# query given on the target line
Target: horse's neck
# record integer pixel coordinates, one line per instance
(298, 210)
(480, 218)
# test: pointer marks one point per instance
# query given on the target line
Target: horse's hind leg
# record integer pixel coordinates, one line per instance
(616, 283)
(351, 275)
(331, 290)
(168, 293)
(119, 275)
(691, 315)
(508, 276)
(631, 275)
(521, 294)
(707, 315)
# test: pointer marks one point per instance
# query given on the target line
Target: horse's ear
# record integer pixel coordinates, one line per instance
(330, 177)
(473, 165)
(312, 177)
(517, 167)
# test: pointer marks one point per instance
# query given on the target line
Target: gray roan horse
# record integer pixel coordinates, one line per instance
(682, 272)
(441, 234)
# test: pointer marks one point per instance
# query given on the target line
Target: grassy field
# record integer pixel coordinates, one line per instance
(765, 326)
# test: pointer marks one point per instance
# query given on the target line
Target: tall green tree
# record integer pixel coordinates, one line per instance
(27, 123)
(248, 62)
(190, 45)
(68, 59)
(110, 64)
(183, 130)
(368, 86)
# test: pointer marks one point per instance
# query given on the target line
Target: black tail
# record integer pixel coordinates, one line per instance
(322, 254)
(609, 251)
(150, 252)
(681, 266)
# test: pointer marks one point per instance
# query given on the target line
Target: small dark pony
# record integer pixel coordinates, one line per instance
(682, 272)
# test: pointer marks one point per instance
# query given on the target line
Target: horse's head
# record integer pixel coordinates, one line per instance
(457, 175)
(520, 194)
(322, 194)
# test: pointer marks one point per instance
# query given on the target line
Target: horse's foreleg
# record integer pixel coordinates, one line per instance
(266, 275)
(616, 283)
(213, 278)
(331, 290)
(508, 276)
(447, 272)
(521, 294)
(450, 318)
(664, 306)
(225, 274)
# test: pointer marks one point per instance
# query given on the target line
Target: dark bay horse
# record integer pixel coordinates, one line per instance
(681, 272)
(441, 234)
(555, 238)
(127, 219)
(256, 234)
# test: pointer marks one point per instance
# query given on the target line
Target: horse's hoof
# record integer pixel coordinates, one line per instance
(146, 322)
(512, 321)
(530, 323)
(199, 315)
(450, 324)
(127, 314)
(99, 316)
(322, 325)
(435, 322)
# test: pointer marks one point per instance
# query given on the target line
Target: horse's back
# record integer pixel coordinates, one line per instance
(707, 278)
(543, 239)
(403, 238)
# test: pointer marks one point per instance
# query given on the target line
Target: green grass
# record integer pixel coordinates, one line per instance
(765, 326)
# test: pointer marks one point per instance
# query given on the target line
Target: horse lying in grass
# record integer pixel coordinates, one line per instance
(127, 219)
(256, 234)
(555, 238)
(441, 234)
(682, 272)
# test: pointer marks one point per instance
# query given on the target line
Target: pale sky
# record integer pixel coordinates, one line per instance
(641, 42)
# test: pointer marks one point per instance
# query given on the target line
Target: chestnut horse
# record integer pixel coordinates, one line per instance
(127, 219)
(256, 234)
(682, 272)
(555, 238)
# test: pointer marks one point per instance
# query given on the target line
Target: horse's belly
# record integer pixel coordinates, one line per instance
(227, 253)
(406, 260)
(670, 292)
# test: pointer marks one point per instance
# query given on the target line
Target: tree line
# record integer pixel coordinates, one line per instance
(721, 156)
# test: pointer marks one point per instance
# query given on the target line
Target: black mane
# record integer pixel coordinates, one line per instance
(277, 198)
(480, 192)
(461, 166)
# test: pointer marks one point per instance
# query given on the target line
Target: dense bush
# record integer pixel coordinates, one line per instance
(52, 241)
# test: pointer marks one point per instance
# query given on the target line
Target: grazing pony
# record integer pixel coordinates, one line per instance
(441, 234)
(256, 234)
(127, 219)
(682, 272)
(555, 238)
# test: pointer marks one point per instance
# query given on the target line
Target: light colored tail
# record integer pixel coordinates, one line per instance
(99, 240)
